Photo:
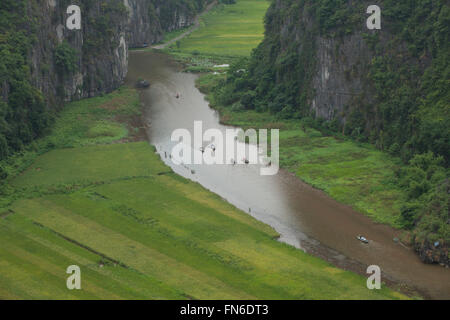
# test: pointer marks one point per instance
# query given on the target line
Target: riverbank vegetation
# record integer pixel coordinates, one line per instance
(353, 173)
(90, 194)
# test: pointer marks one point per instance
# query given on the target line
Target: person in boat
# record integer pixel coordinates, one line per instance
(202, 150)
(213, 147)
(177, 95)
(363, 239)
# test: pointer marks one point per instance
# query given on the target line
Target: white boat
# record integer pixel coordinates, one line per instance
(362, 239)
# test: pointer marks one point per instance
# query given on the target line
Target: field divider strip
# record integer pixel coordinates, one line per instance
(121, 264)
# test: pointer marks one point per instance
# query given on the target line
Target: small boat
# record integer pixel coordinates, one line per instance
(213, 147)
(142, 84)
(362, 239)
(178, 96)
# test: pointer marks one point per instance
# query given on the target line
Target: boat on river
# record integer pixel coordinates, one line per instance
(362, 239)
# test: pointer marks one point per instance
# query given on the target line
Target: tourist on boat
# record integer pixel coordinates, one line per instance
(362, 239)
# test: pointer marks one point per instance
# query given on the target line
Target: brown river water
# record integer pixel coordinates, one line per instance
(304, 217)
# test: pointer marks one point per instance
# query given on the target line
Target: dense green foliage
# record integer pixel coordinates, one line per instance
(23, 112)
(408, 80)
(426, 182)
(65, 58)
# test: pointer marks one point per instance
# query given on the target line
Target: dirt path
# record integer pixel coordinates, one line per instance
(194, 27)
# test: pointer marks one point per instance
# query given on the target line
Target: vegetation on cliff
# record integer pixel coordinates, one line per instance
(37, 69)
(23, 111)
(410, 112)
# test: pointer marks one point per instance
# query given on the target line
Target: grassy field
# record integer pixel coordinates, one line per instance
(228, 30)
(138, 231)
(352, 173)
(102, 120)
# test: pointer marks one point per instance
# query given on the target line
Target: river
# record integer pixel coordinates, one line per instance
(304, 217)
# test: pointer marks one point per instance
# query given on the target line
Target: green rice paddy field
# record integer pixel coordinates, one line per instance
(228, 30)
(138, 231)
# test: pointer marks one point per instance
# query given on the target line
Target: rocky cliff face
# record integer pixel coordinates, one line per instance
(335, 58)
(149, 19)
(141, 29)
(109, 28)
(99, 50)
(337, 79)
(44, 64)
(319, 59)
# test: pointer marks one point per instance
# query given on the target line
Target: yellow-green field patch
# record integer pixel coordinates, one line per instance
(232, 30)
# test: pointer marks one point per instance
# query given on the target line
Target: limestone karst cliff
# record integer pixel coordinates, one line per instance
(44, 64)
(387, 86)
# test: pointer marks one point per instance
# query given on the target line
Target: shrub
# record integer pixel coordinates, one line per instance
(65, 59)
